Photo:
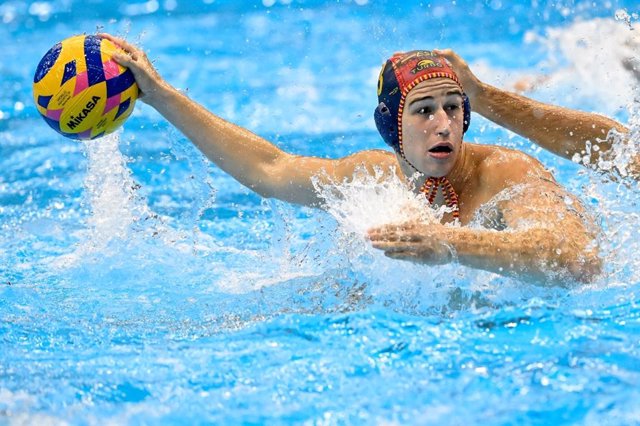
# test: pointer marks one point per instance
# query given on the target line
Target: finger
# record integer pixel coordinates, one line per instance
(124, 45)
(120, 42)
(384, 245)
(452, 57)
(402, 255)
(443, 52)
(398, 236)
(125, 60)
(393, 246)
(381, 245)
(395, 227)
(389, 237)
(411, 237)
(381, 232)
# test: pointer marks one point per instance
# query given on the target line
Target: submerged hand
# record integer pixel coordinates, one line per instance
(470, 83)
(413, 241)
(148, 79)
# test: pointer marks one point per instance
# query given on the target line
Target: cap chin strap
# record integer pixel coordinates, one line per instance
(430, 189)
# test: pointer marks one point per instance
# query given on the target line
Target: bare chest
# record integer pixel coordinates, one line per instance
(473, 204)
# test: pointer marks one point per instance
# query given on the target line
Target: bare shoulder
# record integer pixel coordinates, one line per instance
(510, 166)
(373, 160)
(374, 156)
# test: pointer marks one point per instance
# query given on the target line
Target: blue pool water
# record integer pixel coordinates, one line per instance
(139, 284)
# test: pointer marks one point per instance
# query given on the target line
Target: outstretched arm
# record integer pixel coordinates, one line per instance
(250, 159)
(562, 131)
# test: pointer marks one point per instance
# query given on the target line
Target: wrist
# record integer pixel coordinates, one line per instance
(477, 93)
(481, 99)
(160, 94)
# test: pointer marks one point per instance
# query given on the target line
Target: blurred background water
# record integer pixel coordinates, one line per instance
(140, 284)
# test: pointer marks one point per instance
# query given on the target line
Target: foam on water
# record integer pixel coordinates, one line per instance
(119, 217)
(367, 201)
(590, 64)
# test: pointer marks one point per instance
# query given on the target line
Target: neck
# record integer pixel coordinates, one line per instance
(458, 176)
(461, 170)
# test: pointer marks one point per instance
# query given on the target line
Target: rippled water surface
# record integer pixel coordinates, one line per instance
(140, 284)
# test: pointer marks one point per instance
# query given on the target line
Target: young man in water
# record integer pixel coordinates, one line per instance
(536, 231)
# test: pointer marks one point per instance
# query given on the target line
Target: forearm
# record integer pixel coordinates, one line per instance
(538, 254)
(239, 152)
(250, 159)
(562, 131)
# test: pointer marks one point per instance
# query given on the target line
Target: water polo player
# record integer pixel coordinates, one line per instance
(539, 232)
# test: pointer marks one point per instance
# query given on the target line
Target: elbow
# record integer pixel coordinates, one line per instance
(585, 267)
(570, 261)
(264, 191)
(266, 180)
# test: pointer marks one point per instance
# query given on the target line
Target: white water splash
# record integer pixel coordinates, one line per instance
(590, 63)
(368, 201)
(623, 15)
(287, 257)
(623, 159)
(110, 192)
(117, 212)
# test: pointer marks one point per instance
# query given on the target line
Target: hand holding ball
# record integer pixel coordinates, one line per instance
(79, 89)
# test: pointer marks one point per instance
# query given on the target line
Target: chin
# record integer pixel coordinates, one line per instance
(438, 170)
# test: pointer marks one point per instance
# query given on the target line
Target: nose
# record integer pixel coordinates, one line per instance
(442, 122)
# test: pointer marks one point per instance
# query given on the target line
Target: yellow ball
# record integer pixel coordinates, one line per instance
(80, 91)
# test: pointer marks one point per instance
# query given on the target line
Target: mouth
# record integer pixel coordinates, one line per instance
(441, 150)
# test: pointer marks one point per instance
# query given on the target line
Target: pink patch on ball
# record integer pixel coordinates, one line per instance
(110, 69)
(82, 82)
(54, 114)
(112, 103)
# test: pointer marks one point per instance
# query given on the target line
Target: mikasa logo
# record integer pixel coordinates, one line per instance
(75, 121)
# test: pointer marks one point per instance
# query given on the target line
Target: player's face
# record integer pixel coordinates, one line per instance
(432, 123)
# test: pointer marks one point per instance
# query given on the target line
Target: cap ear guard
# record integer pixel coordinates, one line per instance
(387, 124)
(466, 117)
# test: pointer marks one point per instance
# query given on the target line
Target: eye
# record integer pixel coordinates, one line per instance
(425, 110)
(452, 107)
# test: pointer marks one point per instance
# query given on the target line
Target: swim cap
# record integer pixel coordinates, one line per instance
(401, 73)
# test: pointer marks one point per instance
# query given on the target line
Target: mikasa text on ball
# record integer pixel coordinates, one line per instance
(80, 90)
